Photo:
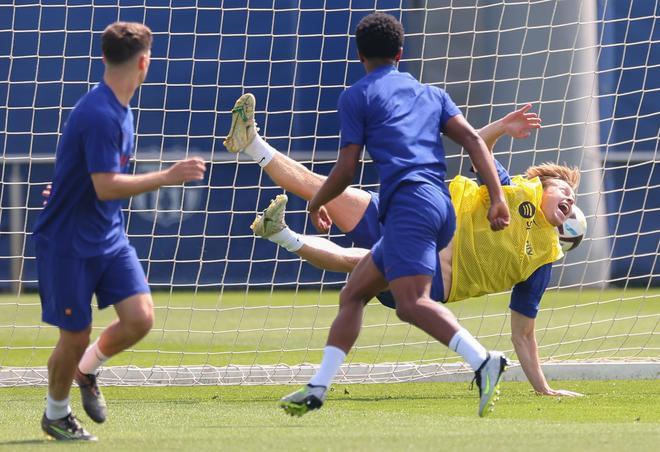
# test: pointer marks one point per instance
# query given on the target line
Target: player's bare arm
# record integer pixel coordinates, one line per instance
(523, 337)
(459, 130)
(339, 178)
(109, 186)
(517, 124)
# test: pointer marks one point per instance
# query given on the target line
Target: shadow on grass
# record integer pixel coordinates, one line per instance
(25, 441)
(253, 427)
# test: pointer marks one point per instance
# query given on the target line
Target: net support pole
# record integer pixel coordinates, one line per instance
(16, 227)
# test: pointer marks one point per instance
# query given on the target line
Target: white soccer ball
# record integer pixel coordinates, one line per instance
(573, 230)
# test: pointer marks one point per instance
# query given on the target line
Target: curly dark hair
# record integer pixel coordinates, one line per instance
(379, 35)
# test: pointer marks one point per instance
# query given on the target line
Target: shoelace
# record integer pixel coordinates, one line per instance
(92, 384)
(72, 424)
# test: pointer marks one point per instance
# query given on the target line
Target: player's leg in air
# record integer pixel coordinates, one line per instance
(318, 251)
(346, 210)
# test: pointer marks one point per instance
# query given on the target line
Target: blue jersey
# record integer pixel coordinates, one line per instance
(98, 137)
(399, 120)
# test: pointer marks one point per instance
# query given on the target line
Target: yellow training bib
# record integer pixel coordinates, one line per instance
(485, 261)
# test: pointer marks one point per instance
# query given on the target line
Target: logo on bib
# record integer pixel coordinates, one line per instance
(526, 209)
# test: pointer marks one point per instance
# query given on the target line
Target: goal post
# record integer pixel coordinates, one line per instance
(235, 309)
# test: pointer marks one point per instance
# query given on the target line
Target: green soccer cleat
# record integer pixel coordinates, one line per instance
(487, 378)
(92, 398)
(272, 220)
(67, 428)
(306, 399)
(243, 129)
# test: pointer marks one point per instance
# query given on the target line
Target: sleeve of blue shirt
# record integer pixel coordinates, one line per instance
(102, 143)
(502, 173)
(449, 108)
(351, 118)
(526, 296)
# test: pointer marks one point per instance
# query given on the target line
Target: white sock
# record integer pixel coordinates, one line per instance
(92, 359)
(469, 348)
(287, 239)
(260, 151)
(57, 409)
(333, 358)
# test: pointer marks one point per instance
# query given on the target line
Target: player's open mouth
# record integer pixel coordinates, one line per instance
(564, 208)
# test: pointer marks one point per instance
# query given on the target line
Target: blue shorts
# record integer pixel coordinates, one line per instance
(369, 230)
(66, 284)
(420, 222)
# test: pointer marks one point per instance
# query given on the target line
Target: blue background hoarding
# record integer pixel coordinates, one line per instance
(296, 59)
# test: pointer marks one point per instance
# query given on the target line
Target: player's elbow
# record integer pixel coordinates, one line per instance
(472, 141)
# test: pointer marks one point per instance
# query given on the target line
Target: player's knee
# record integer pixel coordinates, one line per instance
(405, 312)
(348, 297)
(141, 322)
(144, 323)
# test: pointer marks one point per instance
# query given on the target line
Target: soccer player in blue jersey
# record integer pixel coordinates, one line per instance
(399, 120)
(81, 245)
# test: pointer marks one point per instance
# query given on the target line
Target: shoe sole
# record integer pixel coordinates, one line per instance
(258, 226)
(300, 408)
(294, 409)
(244, 107)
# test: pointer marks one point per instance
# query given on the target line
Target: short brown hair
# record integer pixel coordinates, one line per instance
(121, 41)
(548, 172)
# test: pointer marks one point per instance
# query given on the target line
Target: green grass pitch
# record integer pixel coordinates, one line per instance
(614, 416)
(261, 327)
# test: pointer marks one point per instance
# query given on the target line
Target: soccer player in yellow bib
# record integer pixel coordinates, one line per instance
(478, 261)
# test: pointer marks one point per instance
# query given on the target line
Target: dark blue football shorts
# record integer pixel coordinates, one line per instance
(421, 224)
(67, 283)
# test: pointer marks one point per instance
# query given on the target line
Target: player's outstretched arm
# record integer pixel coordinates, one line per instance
(109, 186)
(459, 130)
(523, 336)
(517, 124)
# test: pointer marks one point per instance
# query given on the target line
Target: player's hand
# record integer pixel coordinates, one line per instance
(519, 123)
(46, 193)
(560, 393)
(321, 219)
(498, 215)
(186, 171)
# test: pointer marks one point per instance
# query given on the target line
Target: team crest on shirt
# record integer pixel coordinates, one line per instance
(526, 209)
(123, 160)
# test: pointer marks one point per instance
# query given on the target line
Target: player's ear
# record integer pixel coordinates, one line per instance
(143, 61)
(398, 55)
(361, 57)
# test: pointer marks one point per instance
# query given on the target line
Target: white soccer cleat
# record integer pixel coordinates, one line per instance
(305, 399)
(243, 129)
(488, 380)
(272, 220)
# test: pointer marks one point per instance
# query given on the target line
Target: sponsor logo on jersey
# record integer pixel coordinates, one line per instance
(526, 209)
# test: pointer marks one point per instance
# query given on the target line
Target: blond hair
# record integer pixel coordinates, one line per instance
(548, 172)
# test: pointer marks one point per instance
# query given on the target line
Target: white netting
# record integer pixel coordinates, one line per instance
(230, 304)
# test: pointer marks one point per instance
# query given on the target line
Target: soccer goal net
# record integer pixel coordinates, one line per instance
(235, 309)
